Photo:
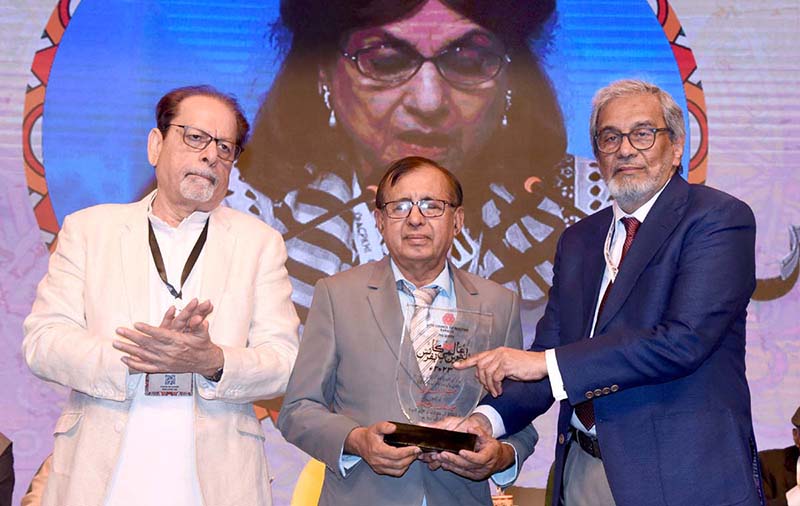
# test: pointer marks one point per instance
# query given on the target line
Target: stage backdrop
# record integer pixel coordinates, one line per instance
(81, 79)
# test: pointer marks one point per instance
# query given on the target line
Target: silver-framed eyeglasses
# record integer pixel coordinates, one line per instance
(200, 139)
(429, 208)
(460, 64)
(609, 140)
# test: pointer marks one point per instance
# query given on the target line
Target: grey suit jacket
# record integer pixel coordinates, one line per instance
(344, 378)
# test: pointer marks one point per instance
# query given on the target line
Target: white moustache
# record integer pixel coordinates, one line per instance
(206, 173)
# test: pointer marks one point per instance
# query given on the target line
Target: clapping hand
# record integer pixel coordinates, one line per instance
(181, 343)
(192, 318)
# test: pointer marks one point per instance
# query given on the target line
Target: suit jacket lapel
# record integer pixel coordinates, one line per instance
(135, 261)
(385, 304)
(662, 219)
(466, 293)
(218, 256)
(595, 266)
(468, 299)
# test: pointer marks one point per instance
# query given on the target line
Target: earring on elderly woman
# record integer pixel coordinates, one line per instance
(326, 97)
(504, 119)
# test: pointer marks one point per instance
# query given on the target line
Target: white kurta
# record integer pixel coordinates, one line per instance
(157, 462)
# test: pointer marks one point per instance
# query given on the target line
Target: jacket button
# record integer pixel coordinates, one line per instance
(606, 391)
(598, 393)
(561, 439)
(614, 388)
(589, 394)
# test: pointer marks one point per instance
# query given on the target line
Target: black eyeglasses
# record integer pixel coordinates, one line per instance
(430, 208)
(609, 140)
(460, 65)
(200, 139)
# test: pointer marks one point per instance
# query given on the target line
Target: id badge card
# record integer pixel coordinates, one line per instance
(168, 383)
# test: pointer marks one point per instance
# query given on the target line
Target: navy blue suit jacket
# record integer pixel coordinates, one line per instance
(666, 366)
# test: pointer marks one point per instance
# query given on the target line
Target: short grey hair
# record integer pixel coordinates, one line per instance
(673, 114)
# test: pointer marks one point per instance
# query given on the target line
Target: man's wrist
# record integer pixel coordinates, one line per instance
(352, 441)
(507, 457)
(215, 365)
(541, 364)
(482, 421)
(215, 377)
(498, 428)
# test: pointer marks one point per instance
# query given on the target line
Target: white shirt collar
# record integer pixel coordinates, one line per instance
(197, 218)
(444, 281)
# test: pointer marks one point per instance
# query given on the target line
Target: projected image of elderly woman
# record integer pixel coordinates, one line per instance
(458, 82)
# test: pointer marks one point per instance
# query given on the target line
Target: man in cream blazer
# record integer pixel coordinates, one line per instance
(95, 328)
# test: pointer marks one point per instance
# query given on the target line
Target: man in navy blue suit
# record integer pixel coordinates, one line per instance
(643, 337)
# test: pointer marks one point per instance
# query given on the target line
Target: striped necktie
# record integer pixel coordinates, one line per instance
(422, 334)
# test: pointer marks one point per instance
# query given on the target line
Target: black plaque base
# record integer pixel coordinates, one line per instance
(430, 439)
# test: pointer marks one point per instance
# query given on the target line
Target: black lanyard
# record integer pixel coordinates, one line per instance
(188, 266)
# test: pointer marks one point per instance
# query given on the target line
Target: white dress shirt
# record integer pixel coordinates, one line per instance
(157, 463)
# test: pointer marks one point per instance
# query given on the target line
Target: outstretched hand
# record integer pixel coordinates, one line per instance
(492, 366)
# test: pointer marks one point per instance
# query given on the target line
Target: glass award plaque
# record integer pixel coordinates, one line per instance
(429, 388)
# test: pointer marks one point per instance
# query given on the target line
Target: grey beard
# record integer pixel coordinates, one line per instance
(190, 190)
(627, 192)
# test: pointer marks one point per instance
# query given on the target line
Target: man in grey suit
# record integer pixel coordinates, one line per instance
(342, 390)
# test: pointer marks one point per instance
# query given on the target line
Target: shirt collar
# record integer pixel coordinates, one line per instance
(444, 281)
(194, 220)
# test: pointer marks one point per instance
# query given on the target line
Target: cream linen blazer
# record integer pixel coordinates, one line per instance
(97, 281)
